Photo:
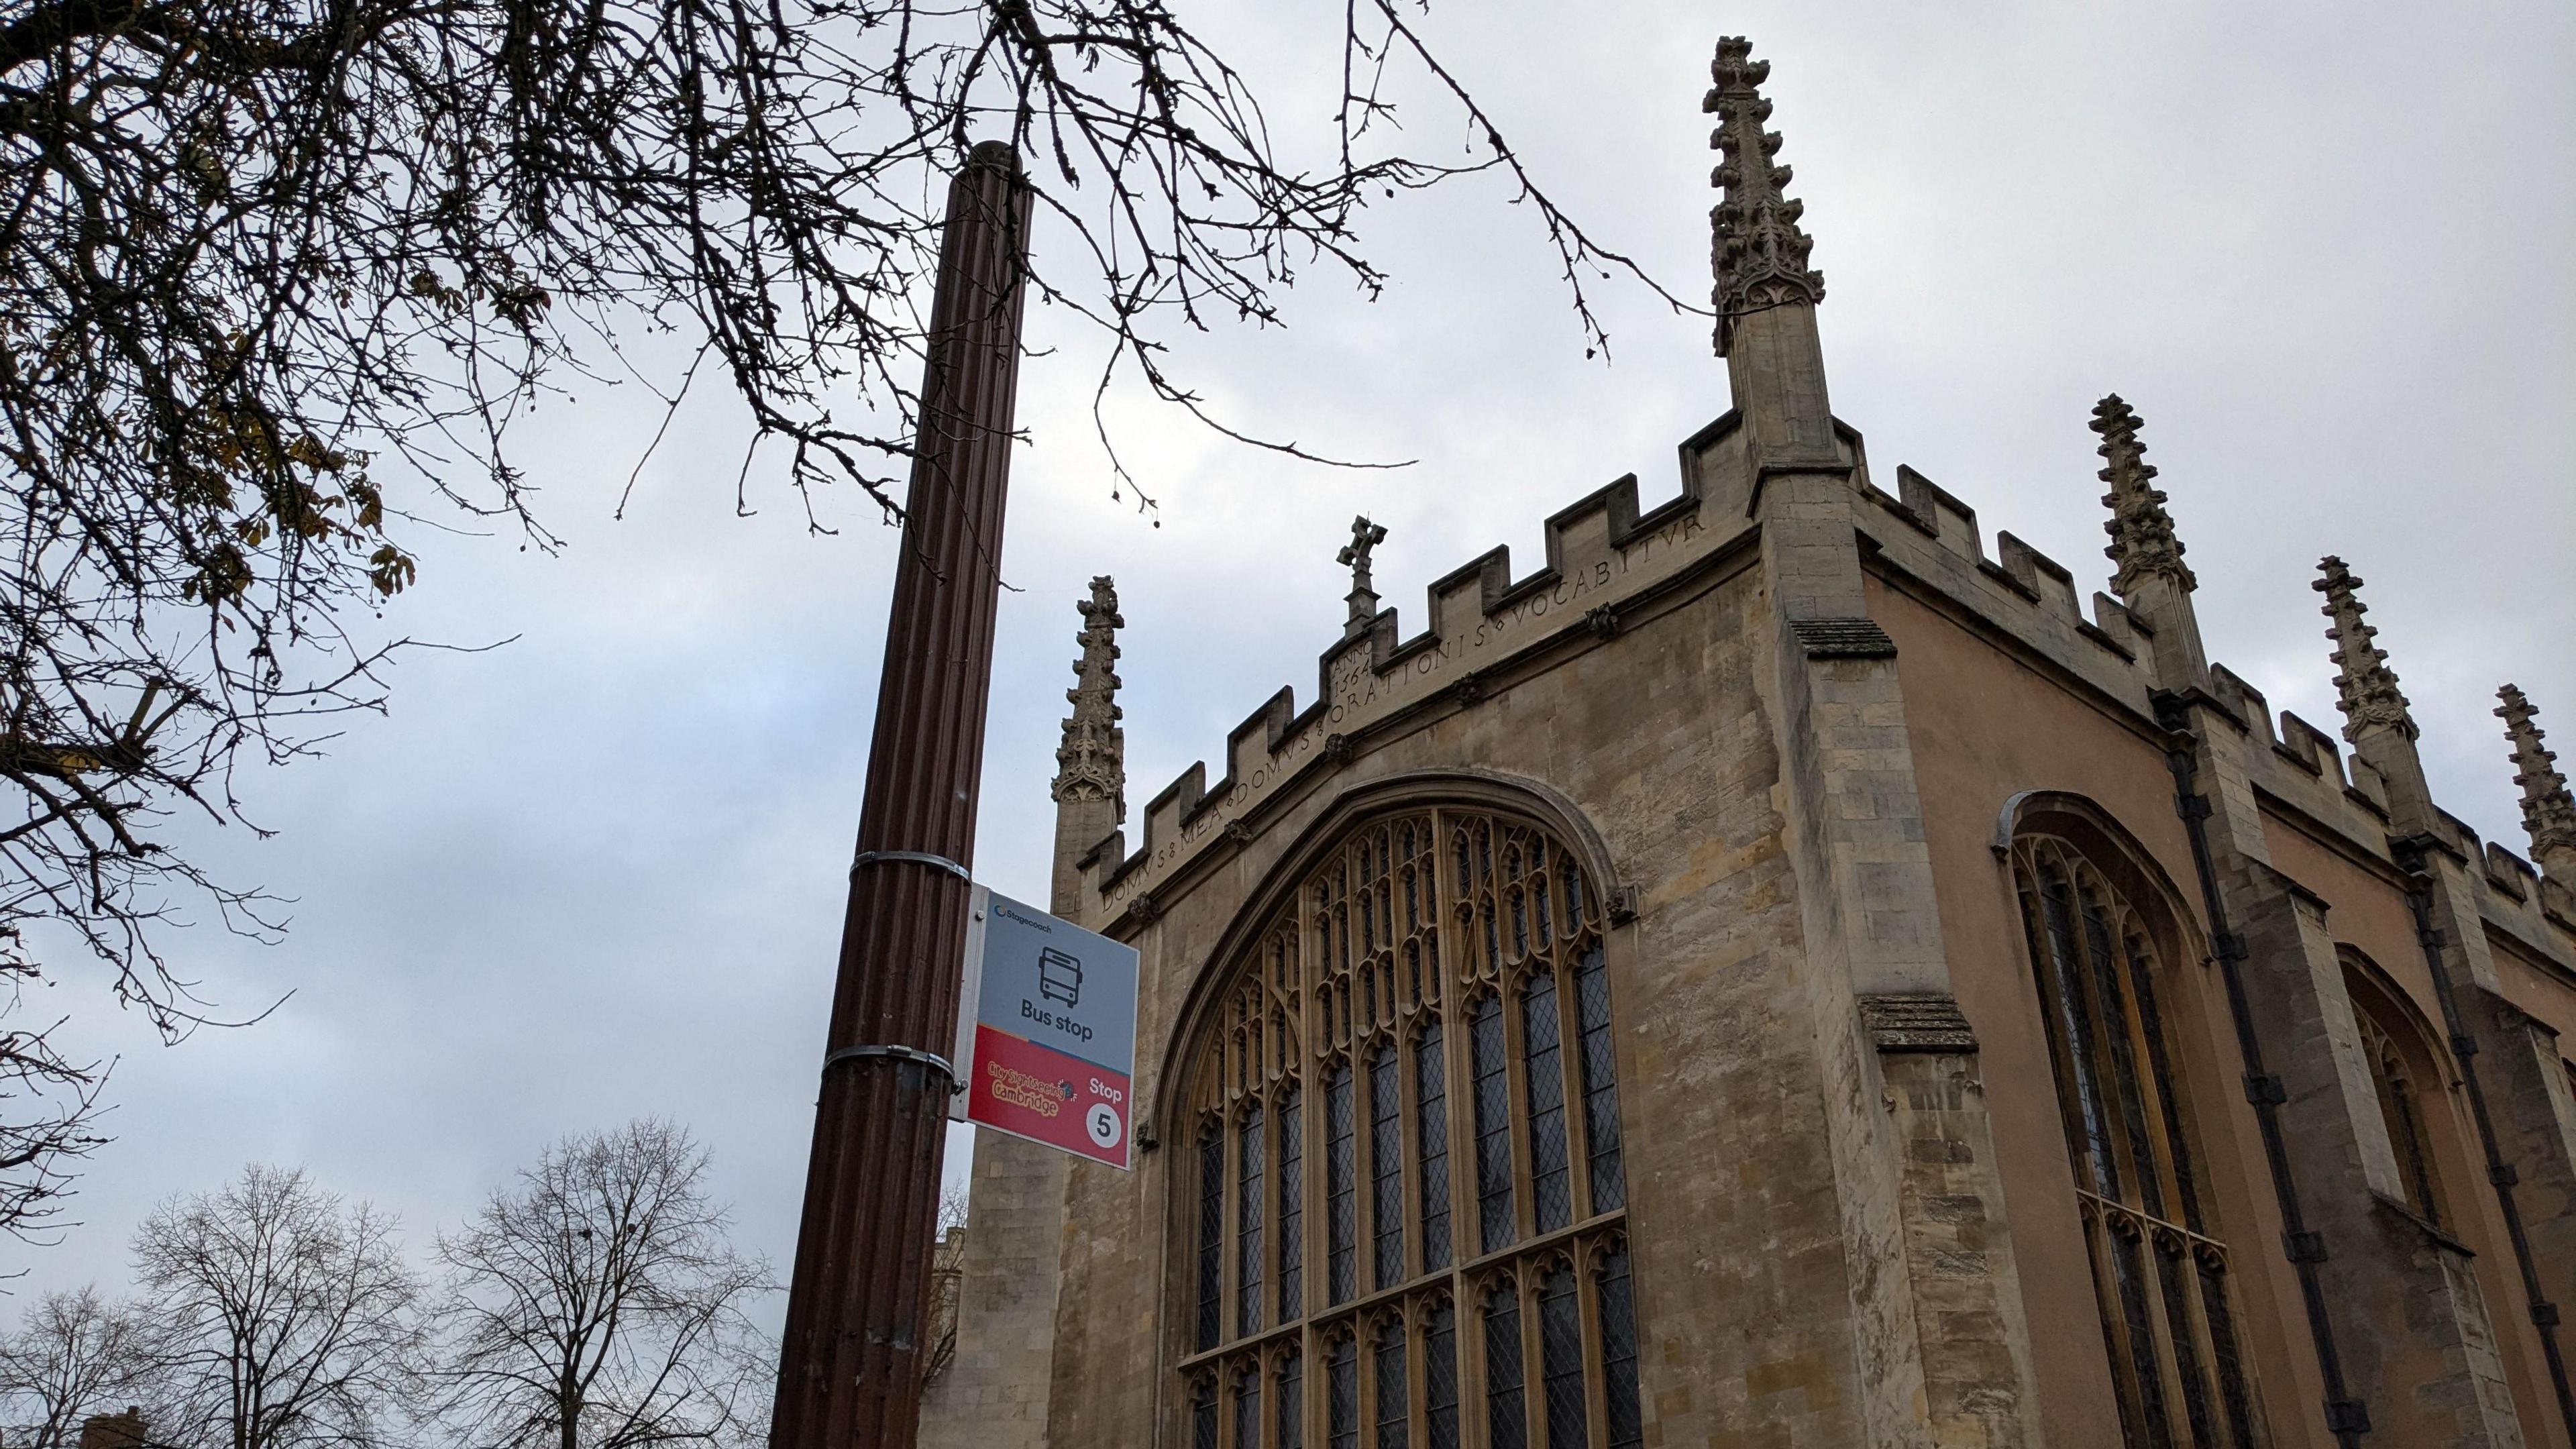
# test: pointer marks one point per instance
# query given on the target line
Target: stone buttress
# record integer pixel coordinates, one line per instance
(1937, 1307)
(995, 1392)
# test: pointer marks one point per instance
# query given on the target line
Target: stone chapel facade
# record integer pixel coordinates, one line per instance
(1777, 975)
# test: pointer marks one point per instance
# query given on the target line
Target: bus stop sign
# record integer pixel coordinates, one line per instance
(1047, 1030)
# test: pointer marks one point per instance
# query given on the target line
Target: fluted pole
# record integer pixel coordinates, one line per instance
(858, 1303)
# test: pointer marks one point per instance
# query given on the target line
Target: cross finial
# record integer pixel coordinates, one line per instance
(2548, 811)
(2365, 687)
(1365, 537)
(2142, 533)
(1091, 763)
(1757, 251)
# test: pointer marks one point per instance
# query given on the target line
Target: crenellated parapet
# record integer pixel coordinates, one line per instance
(1603, 555)
(2548, 811)
(1758, 252)
(1091, 760)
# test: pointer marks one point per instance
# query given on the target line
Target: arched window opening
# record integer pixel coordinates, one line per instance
(1247, 1407)
(2160, 1269)
(1424, 949)
(1290, 1395)
(2405, 1076)
(1394, 1404)
(1440, 1375)
(1505, 1415)
(1342, 1391)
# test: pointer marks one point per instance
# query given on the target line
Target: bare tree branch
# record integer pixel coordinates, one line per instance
(598, 1303)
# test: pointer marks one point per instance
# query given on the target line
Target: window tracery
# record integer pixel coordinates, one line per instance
(2401, 1101)
(2169, 1312)
(1485, 1304)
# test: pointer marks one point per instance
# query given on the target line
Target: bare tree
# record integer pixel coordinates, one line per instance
(598, 1303)
(74, 1354)
(947, 1285)
(277, 277)
(287, 1316)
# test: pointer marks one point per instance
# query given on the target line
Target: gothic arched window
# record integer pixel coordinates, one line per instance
(2160, 1267)
(1435, 979)
(2398, 1081)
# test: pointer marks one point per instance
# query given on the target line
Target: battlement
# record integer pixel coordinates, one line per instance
(1603, 551)
(2020, 592)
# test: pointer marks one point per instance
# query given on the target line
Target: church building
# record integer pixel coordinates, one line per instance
(1787, 970)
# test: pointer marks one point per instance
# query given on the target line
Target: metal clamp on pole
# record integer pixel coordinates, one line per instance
(915, 857)
(932, 1060)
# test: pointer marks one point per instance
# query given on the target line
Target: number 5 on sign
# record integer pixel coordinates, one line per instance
(1046, 1030)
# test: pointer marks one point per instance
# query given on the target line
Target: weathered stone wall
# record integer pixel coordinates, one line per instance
(1659, 737)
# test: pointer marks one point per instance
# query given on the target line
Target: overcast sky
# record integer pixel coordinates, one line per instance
(2325, 250)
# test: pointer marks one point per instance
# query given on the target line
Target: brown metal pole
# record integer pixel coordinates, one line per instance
(858, 1304)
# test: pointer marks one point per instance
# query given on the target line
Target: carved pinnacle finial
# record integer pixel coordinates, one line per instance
(2365, 687)
(1758, 252)
(2142, 534)
(1091, 763)
(2548, 811)
(1365, 537)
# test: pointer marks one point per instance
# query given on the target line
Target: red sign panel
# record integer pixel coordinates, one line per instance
(1034, 1091)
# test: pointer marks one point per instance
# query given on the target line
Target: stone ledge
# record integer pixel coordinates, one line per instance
(1916, 1021)
(1843, 639)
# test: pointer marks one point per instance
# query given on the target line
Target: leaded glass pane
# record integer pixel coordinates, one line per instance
(1440, 1376)
(1493, 1125)
(1341, 1187)
(1211, 1233)
(2121, 1059)
(1248, 1259)
(2074, 1038)
(1290, 1398)
(1342, 1393)
(1618, 1309)
(2160, 1062)
(1386, 1165)
(1394, 1418)
(1365, 939)
(1551, 1188)
(2173, 1273)
(1560, 1353)
(1247, 1408)
(2177, 1374)
(2232, 1387)
(1431, 1132)
(1605, 1170)
(1292, 1204)
(1505, 1422)
(2129, 1275)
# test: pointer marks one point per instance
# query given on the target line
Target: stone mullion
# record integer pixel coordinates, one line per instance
(2204, 1342)
(1312, 1172)
(1594, 1346)
(2106, 1296)
(1516, 1109)
(1526, 1273)
(1230, 1217)
(1417, 1370)
(1569, 1070)
(2160, 1327)
(2029, 886)
(1364, 1167)
(1459, 1081)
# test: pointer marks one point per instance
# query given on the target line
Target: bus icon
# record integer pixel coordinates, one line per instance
(1059, 976)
